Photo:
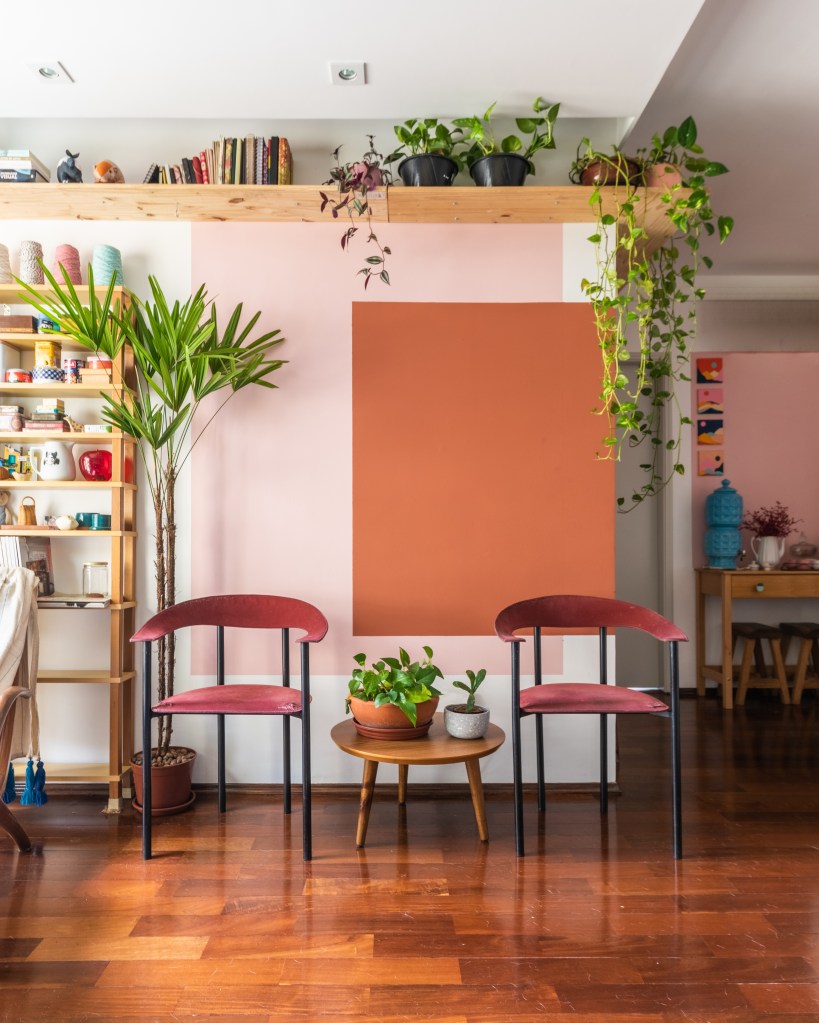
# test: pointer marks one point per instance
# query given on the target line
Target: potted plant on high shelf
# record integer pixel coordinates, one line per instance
(509, 161)
(396, 697)
(467, 720)
(183, 355)
(652, 292)
(428, 152)
(355, 181)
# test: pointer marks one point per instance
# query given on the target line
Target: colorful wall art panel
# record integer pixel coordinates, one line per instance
(710, 463)
(709, 431)
(709, 370)
(710, 401)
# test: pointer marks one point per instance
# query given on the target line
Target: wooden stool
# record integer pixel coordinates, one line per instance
(753, 633)
(808, 635)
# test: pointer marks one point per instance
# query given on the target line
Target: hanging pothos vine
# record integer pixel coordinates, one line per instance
(648, 292)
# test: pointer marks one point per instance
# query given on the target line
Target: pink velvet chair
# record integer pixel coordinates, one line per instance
(562, 613)
(236, 611)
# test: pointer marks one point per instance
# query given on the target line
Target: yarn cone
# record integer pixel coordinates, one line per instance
(9, 795)
(40, 796)
(27, 798)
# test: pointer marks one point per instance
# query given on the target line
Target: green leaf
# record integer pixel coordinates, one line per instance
(687, 133)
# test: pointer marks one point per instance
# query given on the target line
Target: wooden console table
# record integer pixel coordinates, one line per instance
(729, 585)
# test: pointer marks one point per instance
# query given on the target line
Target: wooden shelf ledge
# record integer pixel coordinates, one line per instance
(530, 204)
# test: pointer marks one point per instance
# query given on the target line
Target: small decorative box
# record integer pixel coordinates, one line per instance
(12, 421)
(18, 376)
(47, 375)
(47, 353)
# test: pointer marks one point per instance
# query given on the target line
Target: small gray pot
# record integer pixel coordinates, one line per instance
(461, 725)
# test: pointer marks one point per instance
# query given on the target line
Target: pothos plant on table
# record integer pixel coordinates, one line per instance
(183, 355)
(355, 181)
(394, 693)
(652, 292)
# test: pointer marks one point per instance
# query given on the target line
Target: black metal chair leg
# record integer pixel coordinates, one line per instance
(146, 752)
(220, 763)
(286, 780)
(541, 776)
(676, 773)
(306, 786)
(516, 757)
(604, 764)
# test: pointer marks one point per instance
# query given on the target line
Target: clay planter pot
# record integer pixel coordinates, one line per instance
(170, 784)
(461, 724)
(662, 175)
(601, 172)
(389, 721)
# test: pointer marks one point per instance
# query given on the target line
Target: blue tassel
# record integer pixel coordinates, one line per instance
(27, 798)
(40, 796)
(9, 795)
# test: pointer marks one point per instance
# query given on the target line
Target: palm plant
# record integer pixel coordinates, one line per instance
(182, 357)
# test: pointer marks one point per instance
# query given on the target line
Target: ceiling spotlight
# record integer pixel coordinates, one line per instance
(348, 72)
(53, 71)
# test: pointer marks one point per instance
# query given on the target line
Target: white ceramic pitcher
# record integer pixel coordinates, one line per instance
(56, 462)
(770, 551)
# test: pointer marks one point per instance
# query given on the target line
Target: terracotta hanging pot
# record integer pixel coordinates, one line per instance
(662, 175)
(611, 171)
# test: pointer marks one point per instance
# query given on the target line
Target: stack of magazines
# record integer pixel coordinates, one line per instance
(22, 165)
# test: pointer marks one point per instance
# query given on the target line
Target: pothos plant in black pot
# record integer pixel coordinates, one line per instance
(428, 152)
(652, 292)
(508, 161)
(355, 181)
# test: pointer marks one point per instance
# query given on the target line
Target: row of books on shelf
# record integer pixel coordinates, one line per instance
(252, 160)
(22, 165)
(34, 552)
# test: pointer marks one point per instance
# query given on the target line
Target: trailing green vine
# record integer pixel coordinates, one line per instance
(649, 295)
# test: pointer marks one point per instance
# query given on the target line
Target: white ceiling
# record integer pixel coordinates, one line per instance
(746, 70)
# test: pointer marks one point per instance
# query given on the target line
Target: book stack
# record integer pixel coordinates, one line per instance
(95, 375)
(48, 417)
(32, 552)
(252, 160)
(22, 165)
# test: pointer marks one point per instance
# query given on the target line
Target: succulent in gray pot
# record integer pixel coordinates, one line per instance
(467, 720)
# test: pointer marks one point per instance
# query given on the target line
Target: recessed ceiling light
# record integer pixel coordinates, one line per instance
(53, 71)
(348, 72)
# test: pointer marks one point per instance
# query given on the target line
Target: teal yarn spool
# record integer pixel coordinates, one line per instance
(106, 262)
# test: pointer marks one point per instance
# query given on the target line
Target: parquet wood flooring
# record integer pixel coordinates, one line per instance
(597, 924)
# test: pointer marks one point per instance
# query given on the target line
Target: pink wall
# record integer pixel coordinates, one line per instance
(770, 423)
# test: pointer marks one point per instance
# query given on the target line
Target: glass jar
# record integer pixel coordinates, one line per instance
(95, 580)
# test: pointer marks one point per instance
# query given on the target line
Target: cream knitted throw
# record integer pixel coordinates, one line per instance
(19, 651)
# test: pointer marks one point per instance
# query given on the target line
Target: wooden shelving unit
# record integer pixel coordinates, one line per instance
(558, 204)
(119, 673)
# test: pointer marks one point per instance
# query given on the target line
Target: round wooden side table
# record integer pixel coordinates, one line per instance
(436, 747)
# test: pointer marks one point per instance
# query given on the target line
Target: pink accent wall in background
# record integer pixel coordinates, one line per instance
(771, 424)
(272, 479)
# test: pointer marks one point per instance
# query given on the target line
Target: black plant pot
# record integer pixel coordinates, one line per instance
(500, 169)
(428, 169)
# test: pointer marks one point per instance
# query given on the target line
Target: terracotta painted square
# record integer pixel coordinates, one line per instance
(475, 476)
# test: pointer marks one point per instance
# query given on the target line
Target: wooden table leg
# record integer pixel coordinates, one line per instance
(403, 772)
(473, 770)
(700, 626)
(727, 647)
(367, 788)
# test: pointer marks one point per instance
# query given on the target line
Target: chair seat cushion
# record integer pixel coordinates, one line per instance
(588, 698)
(233, 699)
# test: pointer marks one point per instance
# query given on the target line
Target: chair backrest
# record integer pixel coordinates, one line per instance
(574, 611)
(238, 610)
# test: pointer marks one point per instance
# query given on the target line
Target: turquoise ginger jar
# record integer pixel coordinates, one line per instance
(723, 516)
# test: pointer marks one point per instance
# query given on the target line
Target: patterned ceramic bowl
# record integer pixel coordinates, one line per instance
(48, 375)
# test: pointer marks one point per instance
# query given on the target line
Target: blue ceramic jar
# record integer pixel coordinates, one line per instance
(723, 516)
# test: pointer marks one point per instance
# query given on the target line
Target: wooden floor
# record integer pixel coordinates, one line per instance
(596, 923)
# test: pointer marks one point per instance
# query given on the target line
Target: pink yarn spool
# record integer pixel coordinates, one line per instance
(69, 258)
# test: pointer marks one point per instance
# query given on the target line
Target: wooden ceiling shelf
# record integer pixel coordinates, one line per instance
(551, 204)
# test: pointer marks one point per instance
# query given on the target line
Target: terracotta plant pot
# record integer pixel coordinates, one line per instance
(170, 783)
(662, 175)
(604, 172)
(391, 720)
